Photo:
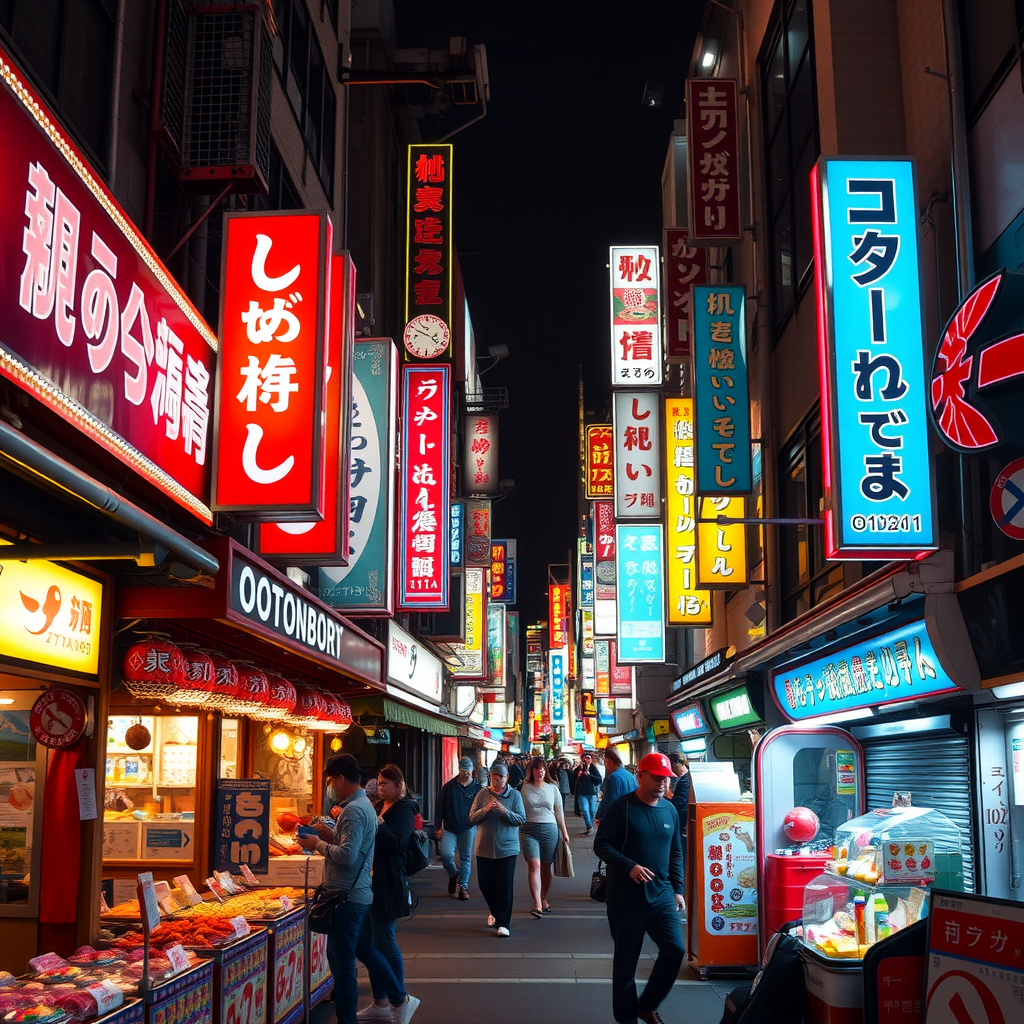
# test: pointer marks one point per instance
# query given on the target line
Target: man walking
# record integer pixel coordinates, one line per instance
(348, 857)
(515, 773)
(639, 841)
(454, 829)
(587, 779)
(678, 791)
(617, 782)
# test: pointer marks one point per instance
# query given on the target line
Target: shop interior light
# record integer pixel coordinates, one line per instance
(853, 715)
(279, 741)
(6, 700)
(299, 745)
(336, 744)
(1008, 690)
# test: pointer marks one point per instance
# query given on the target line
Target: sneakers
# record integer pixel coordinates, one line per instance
(402, 1014)
(463, 893)
(490, 921)
(649, 1016)
(503, 932)
(587, 833)
(453, 883)
(374, 1012)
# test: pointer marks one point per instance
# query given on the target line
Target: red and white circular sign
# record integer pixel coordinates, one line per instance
(1006, 502)
(57, 719)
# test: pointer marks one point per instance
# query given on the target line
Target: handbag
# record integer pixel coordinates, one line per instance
(417, 856)
(324, 905)
(599, 879)
(563, 860)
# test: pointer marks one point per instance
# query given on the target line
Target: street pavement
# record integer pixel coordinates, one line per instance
(549, 971)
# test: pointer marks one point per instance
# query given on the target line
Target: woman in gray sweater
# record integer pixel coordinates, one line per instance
(545, 822)
(497, 812)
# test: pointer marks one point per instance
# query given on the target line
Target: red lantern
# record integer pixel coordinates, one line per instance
(344, 713)
(309, 703)
(225, 680)
(199, 671)
(332, 708)
(280, 701)
(153, 667)
(253, 686)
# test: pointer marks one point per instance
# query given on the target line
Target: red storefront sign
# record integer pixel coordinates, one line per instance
(269, 454)
(91, 322)
(499, 570)
(604, 531)
(428, 243)
(558, 609)
(600, 472)
(712, 157)
(480, 458)
(327, 542)
(423, 523)
(685, 265)
(620, 677)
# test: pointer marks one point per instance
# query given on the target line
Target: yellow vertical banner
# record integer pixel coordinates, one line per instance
(688, 604)
(721, 549)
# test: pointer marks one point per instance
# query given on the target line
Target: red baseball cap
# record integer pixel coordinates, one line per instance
(656, 764)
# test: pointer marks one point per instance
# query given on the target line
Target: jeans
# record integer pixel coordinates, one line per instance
(341, 955)
(588, 808)
(628, 926)
(378, 949)
(464, 842)
(496, 878)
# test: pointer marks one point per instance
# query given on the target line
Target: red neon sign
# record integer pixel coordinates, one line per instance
(600, 478)
(499, 571)
(557, 612)
(269, 450)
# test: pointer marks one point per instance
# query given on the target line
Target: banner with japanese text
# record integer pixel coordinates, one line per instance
(496, 659)
(470, 654)
(511, 563)
(721, 547)
(599, 470)
(620, 676)
(639, 564)
(557, 665)
(428, 239)
(558, 611)
(604, 550)
(688, 603)
(636, 316)
(478, 532)
(879, 488)
(636, 417)
(721, 391)
(242, 825)
(366, 584)
(685, 266)
(713, 161)
(480, 454)
(602, 677)
(499, 570)
(423, 521)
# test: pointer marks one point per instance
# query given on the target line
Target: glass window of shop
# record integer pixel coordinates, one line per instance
(284, 755)
(736, 749)
(821, 782)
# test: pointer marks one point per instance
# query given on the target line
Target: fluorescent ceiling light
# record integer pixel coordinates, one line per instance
(853, 715)
(708, 60)
(1008, 691)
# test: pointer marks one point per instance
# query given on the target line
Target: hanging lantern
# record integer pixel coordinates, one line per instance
(137, 736)
(199, 671)
(153, 667)
(345, 713)
(253, 690)
(225, 681)
(280, 700)
(309, 706)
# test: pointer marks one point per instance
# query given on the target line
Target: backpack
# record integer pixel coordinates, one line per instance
(778, 994)
(417, 857)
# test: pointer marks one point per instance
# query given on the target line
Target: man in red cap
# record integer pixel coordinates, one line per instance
(638, 839)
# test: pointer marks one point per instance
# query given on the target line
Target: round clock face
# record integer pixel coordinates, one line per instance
(426, 336)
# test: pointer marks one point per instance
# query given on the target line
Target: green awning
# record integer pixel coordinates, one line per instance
(400, 714)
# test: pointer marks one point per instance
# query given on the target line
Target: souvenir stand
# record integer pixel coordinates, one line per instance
(721, 872)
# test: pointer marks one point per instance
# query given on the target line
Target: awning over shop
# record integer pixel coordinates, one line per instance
(396, 713)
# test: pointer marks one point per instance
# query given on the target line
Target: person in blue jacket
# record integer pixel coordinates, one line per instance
(618, 781)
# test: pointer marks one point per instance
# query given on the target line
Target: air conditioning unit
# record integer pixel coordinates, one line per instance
(215, 96)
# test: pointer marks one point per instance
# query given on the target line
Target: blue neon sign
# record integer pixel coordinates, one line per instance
(556, 668)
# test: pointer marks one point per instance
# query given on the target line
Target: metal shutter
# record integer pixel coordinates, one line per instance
(937, 771)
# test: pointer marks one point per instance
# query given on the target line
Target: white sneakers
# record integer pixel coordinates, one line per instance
(374, 1012)
(503, 932)
(403, 1014)
(490, 921)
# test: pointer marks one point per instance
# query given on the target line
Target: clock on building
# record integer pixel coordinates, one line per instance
(426, 336)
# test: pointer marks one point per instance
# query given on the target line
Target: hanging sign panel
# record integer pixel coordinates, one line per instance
(712, 155)
(685, 266)
(636, 316)
(478, 532)
(558, 611)
(556, 684)
(879, 499)
(637, 427)
(471, 653)
(600, 470)
(511, 562)
(480, 455)
(620, 677)
(499, 571)
(721, 548)
(639, 558)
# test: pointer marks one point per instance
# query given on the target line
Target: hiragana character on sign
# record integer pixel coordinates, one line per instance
(99, 306)
(64, 266)
(877, 420)
(724, 426)
(428, 231)
(724, 450)
(721, 542)
(880, 480)
(925, 667)
(714, 217)
(721, 479)
(721, 359)
(428, 261)
(885, 189)
(638, 413)
(879, 250)
(250, 465)
(634, 473)
(430, 168)
(428, 293)
(258, 269)
(865, 367)
(720, 567)
(271, 384)
(195, 409)
(262, 325)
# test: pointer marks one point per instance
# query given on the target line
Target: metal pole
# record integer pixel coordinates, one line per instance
(756, 521)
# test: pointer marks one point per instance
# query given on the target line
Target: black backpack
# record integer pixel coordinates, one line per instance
(778, 994)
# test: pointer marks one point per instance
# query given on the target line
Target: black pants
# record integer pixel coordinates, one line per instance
(628, 925)
(495, 876)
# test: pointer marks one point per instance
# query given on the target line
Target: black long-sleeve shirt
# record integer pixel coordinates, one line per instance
(588, 780)
(651, 839)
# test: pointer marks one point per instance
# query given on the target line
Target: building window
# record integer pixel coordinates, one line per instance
(281, 193)
(307, 83)
(805, 577)
(67, 47)
(991, 34)
(790, 118)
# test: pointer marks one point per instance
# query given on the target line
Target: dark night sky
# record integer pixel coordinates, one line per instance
(567, 162)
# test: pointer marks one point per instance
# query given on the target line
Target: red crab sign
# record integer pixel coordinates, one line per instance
(978, 376)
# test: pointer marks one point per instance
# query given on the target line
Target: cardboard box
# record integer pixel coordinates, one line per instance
(291, 870)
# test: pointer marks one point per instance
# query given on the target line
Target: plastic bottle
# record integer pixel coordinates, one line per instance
(882, 927)
(859, 914)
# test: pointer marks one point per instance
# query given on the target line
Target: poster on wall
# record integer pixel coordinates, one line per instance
(243, 825)
(730, 875)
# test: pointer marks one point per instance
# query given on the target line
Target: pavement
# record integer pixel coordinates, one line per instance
(550, 970)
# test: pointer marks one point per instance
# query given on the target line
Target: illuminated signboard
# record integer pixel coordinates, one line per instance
(636, 315)
(722, 392)
(636, 416)
(586, 581)
(327, 542)
(478, 532)
(602, 676)
(511, 561)
(721, 549)
(604, 550)
(423, 522)
(734, 708)
(689, 721)
(480, 455)
(558, 611)
(268, 459)
(605, 713)
(93, 324)
(620, 677)
(688, 604)
(713, 160)
(457, 529)
(366, 583)
(639, 564)
(897, 666)
(556, 684)
(499, 566)
(471, 653)
(685, 266)
(879, 499)
(599, 470)
(51, 615)
(496, 644)
(428, 240)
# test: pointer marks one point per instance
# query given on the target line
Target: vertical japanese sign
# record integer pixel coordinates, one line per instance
(636, 316)
(688, 603)
(94, 327)
(879, 501)
(639, 563)
(606, 713)
(685, 265)
(269, 454)
(366, 583)
(637, 426)
(471, 653)
(511, 560)
(604, 550)
(602, 678)
(586, 571)
(480, 457)
(326, 542)
(243, 825)
(457, 532)
(496, 654)
(423, 523)
(599, 470)
(722, 391)
(558, 633)
(620, 677)
(478, 532)
(499, 571)
(428, 238)
(556, 684)
(721, 549)
(713, 160)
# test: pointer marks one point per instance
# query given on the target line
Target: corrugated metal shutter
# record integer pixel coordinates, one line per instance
(936, 769)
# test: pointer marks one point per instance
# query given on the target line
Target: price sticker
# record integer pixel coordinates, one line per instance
(147, 900)
(46, 962)
(217, 889)
(247, 874)
(178, 958)
(184, 883)
(104, 909)
(107, 995)
(228, 884)
(168, 905)
(162, 890)
(241, 926)
(286, 903)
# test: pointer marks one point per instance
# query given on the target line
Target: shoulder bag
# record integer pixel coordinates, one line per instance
(599, 879)
(324, 906)
(417, 856)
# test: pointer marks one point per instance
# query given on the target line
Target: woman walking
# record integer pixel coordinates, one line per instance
(497, 812)
(376, 945)
(538, 838)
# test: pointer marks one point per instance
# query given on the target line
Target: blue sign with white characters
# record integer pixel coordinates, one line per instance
(556, 671)
(605, 712)
(586, 581)
(896, 666)
(721, 390)
(457, 530)
(689, 721)
(879, 498)
(640, 593)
